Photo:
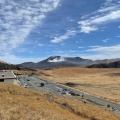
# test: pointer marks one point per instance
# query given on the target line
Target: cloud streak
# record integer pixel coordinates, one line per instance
(103, 52)
(104, 15)
(109, 12)
(19, 18)
(61, 38)
(108, 49)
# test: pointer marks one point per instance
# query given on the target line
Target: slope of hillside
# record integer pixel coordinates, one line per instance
(6, 66)
(17, 103)
(115, 64)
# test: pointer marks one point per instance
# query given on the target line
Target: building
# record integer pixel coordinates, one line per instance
(8, 77)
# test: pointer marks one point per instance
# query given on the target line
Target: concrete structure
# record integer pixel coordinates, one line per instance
(8, 77)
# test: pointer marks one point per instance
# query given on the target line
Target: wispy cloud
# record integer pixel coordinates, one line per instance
(106, 40)
(100, 56)
(80, 47)
(107, 49)
(110, 12)
(103, 52)
(61, 38)
(41, 45)
(19, 18)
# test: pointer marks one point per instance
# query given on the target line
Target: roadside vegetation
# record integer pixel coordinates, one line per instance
(18, 103)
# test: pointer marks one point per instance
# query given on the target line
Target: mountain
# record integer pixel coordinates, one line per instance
(58, 61)
(115, 64)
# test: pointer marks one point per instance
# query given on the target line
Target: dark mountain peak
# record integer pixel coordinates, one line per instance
(53, 57)
(78, 58)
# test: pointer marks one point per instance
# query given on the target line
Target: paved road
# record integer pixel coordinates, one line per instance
(34, 84)
(51, 87)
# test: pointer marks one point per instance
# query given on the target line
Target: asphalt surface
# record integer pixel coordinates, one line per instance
(34, 83)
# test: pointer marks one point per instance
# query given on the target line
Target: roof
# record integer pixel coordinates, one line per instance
(7, 74)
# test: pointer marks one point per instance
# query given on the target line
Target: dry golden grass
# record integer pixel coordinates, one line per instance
(24, 72)
(17, 103)
(103, 83)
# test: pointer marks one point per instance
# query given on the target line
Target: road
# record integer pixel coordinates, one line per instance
(52, 88)
(34, 84)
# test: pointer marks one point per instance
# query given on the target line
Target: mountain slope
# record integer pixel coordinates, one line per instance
(115, 64)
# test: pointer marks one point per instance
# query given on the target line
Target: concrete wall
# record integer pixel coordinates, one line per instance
(11, 81)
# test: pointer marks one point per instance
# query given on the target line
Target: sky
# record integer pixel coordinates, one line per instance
(32, 30)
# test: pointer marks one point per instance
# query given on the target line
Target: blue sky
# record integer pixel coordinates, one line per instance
(32, 30)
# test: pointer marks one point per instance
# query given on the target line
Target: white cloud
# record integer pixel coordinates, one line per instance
(108, 13)
(68, 34)
(103, 52)
(100, 56)
(87, 29)
(107, 49)
(19, 18)
(104, 15)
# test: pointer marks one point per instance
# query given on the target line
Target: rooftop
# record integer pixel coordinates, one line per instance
(7, 74)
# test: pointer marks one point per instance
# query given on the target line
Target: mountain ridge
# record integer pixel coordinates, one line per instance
(59, 61)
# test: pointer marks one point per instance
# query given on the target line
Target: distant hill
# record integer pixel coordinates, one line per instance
(6, 66)
(115, 64)
(59, 61)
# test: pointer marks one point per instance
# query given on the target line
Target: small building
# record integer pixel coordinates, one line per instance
(8, 77)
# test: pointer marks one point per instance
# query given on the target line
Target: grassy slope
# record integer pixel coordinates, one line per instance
(17, 103)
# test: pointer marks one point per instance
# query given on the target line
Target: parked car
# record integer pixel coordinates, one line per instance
(42, 84)
(72, 93)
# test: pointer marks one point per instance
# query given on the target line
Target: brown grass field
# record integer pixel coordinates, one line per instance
(18, 103)
(103, 83)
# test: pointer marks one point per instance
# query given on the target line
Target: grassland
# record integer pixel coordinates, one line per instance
(103, 83)
(17, 103)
